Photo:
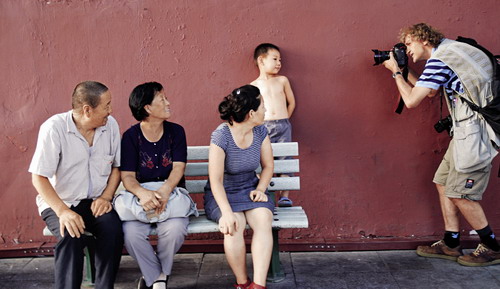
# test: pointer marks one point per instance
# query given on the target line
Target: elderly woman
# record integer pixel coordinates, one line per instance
(234, 195)
(153, 150)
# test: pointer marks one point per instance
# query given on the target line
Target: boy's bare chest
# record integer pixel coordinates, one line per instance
(272, 89)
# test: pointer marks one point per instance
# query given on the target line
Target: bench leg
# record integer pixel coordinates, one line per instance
(276, 273)
(89, 278)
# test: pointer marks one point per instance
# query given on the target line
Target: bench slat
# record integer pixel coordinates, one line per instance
(293, 217)
(277, 184)
(197, 153)
(279, 150)
(196, 169)
(280, 167)
(284, 166)
(289, 149)
(284, 184)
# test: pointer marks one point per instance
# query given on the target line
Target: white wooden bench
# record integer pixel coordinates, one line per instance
(284, 218)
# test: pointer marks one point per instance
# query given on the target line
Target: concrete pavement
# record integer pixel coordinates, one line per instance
(366, 269)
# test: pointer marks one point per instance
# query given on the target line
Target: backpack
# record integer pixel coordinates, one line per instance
(490, 112)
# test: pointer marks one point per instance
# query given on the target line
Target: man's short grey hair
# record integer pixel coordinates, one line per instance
(88, 92)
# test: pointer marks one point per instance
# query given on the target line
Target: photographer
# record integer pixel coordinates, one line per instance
(462, 177)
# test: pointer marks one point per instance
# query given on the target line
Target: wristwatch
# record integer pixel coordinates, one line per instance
(396, 74)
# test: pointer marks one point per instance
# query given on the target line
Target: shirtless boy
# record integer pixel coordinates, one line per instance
(278, 99)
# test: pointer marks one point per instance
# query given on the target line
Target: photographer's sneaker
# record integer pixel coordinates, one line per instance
(440, 250)
(482, 256)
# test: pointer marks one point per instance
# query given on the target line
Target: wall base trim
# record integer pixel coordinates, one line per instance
(43, 249)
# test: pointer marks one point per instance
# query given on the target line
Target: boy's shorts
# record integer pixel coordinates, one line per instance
(469, 186)
(280, 130)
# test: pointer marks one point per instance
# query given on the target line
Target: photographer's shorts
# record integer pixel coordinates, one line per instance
(469, 186)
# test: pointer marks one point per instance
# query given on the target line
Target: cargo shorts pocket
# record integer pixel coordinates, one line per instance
(469, 186)
(470, 152)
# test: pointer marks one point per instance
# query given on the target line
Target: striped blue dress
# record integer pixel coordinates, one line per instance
(239, 172)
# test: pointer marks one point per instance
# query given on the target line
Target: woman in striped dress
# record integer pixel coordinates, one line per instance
(234, 195)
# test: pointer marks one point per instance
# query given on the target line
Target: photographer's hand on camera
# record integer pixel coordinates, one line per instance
(392, 64)
(412, 96)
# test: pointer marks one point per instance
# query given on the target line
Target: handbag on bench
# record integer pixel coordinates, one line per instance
(179, 204)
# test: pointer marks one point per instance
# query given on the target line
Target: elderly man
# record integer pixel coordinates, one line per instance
(462, 177)
(75, 172)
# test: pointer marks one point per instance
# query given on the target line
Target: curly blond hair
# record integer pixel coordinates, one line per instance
(422, 32)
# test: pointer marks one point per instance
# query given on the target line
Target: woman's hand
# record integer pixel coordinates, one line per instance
(228, 224)
(148, 200)
(162, 195)
(258, 196)
(163, 202)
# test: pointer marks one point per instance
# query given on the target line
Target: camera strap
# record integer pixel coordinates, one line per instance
(441, 103)
(401, 103)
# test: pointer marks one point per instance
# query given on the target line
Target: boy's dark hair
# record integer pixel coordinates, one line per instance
(263, 48)
(87, 92)
(141, 96)
(238, 104)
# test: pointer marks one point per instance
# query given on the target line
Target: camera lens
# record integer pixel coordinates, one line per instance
(380, 56)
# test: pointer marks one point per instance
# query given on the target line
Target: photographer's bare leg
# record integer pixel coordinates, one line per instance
(449, 211)
(473, 213)
(449, 247)
(488, 251)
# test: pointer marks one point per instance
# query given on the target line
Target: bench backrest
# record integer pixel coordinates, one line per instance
(197, 168)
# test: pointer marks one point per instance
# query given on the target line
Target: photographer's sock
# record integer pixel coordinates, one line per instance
(452, 239)
(488, 238)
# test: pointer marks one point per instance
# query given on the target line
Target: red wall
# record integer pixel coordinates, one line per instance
(363, 168)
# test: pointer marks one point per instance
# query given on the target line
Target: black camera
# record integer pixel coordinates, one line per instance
(399, 51)
(444, 124)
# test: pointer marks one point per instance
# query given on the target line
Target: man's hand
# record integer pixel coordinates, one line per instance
(100, 206)
(72, 222)
(391, 63)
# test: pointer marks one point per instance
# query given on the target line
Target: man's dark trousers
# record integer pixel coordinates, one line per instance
(68, 253)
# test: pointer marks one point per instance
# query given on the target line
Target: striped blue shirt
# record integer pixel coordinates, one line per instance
(437, 74)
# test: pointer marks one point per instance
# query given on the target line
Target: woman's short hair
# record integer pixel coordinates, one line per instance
(141, 96)
(422, 32)
(239, 103)
(89, 93)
